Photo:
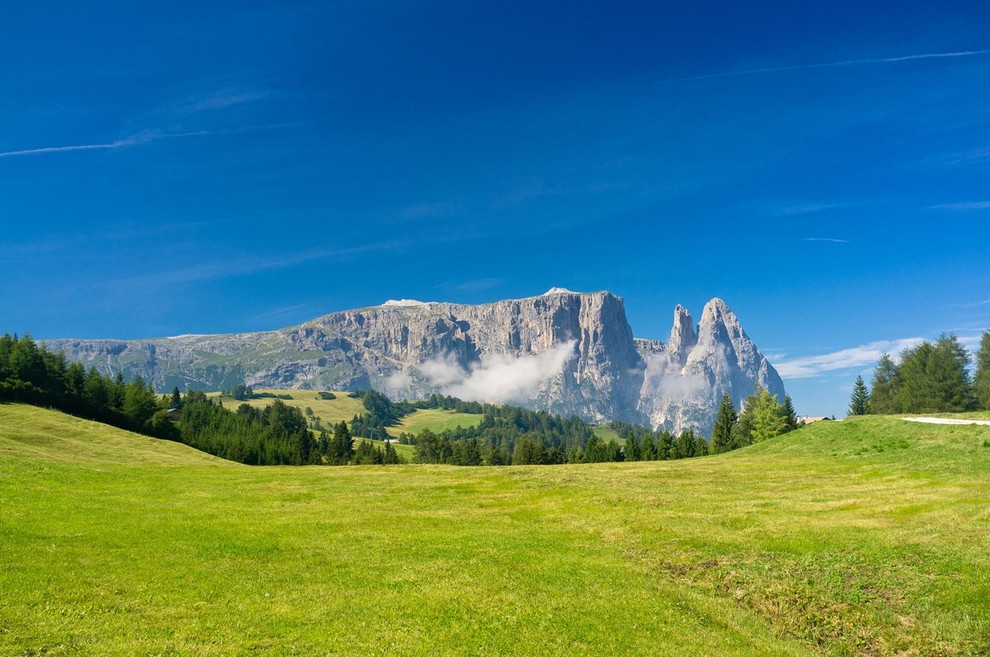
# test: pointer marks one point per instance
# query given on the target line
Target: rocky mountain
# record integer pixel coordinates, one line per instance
(567, 352)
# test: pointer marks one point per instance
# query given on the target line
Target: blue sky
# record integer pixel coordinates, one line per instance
(218, 167)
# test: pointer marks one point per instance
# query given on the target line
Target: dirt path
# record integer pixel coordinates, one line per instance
(943, 420)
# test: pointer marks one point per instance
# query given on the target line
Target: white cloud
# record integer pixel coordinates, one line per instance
(847, 62)
(868, 354)
(497, 379)
(145, 137)
(962, 207)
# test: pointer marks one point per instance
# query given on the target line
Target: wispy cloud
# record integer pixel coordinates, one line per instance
(971, 304)
(962, 207)
(285, 313)
(68, 149)
(146, 137)
(846, 62)
(855, 357)
(219, 100)
(834, 240)
(808, 208)
(247, 265)
(478, 284)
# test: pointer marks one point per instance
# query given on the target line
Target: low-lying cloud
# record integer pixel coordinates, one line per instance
(496, 379)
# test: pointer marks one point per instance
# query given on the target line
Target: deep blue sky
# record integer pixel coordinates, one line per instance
(218, 167)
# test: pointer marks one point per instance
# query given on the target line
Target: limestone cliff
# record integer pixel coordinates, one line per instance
(568, 352)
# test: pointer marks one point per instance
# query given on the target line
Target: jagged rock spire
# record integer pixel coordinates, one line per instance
(682, 336)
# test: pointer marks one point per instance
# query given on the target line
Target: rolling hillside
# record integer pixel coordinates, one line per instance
(331, 411)
(860, 537)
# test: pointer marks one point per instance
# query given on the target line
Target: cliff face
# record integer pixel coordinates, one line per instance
(683, 383)
(567, 352)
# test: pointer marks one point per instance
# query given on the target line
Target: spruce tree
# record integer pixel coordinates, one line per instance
(725, 419)
(789, 414)
(648, 448)
(981, 381)
(631, 450)
(884, 387)
(859, 402)
(768, 421)
(176, 398)
(932, 378)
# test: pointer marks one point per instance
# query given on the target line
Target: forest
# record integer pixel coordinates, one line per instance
(278, 434)
(932, 377)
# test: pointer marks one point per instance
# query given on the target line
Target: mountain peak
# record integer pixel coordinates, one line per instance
(406, 302)
(567, 352)
(682, 335)
(716, 309)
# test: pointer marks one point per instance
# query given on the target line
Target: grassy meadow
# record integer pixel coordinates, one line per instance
(862, 537)
(434, 419)
(331, 411)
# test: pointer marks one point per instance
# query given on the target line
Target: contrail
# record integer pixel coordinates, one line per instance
(66, 149)
(847, 62)
(148, 137)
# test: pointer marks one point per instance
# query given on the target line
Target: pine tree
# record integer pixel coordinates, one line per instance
(884, 387)
(933, 378)
(648, 448)
(391, 456)
(789, 414)
(631, 450)
(725, 420)
(341, 444)
(859, 402)
(763, 412)
(981, 381)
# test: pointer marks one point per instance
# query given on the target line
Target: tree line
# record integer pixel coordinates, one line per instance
(932, 377)
(510, 435)
(274, 435)
(278, 434)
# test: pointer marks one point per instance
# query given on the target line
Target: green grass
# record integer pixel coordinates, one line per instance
(867, 537)
(345, 408)
(330, 411)
(607, 433)
(405, 451)
(435, 420)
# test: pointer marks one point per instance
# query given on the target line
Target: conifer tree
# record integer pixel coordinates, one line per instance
(788, 413)
(648, 448)
(725, 420)
(341, 444)
(859, 402)
(763, 416)
(176, 398)
(884, 387)
(631, 450)
(391, 456)
(981, 380)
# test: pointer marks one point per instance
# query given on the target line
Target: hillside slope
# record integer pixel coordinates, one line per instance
(859, 537)
(31, 433)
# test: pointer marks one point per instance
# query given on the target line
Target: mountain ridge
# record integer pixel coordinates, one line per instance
(572, 353)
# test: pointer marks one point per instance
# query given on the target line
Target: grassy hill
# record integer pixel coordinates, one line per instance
(331, 411)
(860, 537)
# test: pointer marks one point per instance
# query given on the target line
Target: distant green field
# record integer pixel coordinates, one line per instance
(435, 420)
(345, 408)
(405, 451)
(330, 411)
(607, 433)
(862, 537)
